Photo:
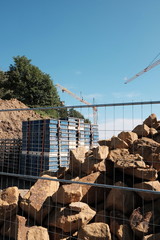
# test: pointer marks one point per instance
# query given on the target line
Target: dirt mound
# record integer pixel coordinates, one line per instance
(11, 121)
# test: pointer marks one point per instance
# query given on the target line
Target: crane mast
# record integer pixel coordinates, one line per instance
(79, 99)
(143, 71)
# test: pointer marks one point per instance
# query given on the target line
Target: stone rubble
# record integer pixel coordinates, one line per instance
(55, 210)
(37, 201)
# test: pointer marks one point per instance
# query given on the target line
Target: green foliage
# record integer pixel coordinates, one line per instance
(86, 120)
(61, 113)
(3, 80)
(74, 113)
(30, 85)
(48, 113)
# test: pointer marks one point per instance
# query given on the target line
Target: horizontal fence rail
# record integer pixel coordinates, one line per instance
(64, 181)
(84, 106)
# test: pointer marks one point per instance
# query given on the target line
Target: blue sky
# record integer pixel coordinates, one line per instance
(88, 46)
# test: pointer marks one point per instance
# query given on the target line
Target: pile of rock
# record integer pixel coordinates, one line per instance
(111, 192)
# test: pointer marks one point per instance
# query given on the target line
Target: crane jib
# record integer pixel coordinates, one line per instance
(143, 71)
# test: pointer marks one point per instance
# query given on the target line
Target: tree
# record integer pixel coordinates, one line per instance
(74, 113)
(30, 85)
(3, 80)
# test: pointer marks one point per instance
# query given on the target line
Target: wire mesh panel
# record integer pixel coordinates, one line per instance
(10, 155)
(109, 189)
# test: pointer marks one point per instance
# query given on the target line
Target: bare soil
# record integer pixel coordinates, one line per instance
(11, 121)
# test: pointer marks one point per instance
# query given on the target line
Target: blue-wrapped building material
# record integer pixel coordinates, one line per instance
(63, 143)
(40, 146)
(94, 135)
(46, 144)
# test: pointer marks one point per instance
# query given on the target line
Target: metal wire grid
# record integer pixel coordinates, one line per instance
(10, 155)
(112, 119)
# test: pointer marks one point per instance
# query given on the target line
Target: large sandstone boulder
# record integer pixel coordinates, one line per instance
(121, 199)
(148, 173)
(155, 236)
(119, 226)
(92, 194)
(105, 142)
(37, 233)
(152, 207)
(156, 137)
(157, 127)
(77, 158)
(95, 231)
(8, 203)
(153, 159)
(153, 186)
(68, 193)
(22, 192)
(152, 132)
(15, 228)
(91, 165)
(145, 147)
(117, 142)
(139, 221)
(149, 150)
(83, 192)
(70, 218)
(37, 201)
(85, 162)
(128, 137)
(124, 155)
(151, 121)
(102, 216)
(132, 164)
(100, 152)
(142, 130)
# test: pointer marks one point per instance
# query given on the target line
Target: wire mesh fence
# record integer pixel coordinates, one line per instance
(69, 178)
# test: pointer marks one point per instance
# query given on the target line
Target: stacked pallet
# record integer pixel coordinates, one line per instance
(87, 140)
(63, 142)
(39, 146)
(94, 135)
(46, 144)
(80, 135)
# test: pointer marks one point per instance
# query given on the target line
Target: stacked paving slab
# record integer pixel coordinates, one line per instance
(46, 144)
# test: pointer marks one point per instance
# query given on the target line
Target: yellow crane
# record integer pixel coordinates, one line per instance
(79, 99)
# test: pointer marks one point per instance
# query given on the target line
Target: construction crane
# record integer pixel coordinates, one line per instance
(79, 99)
(143, 71)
